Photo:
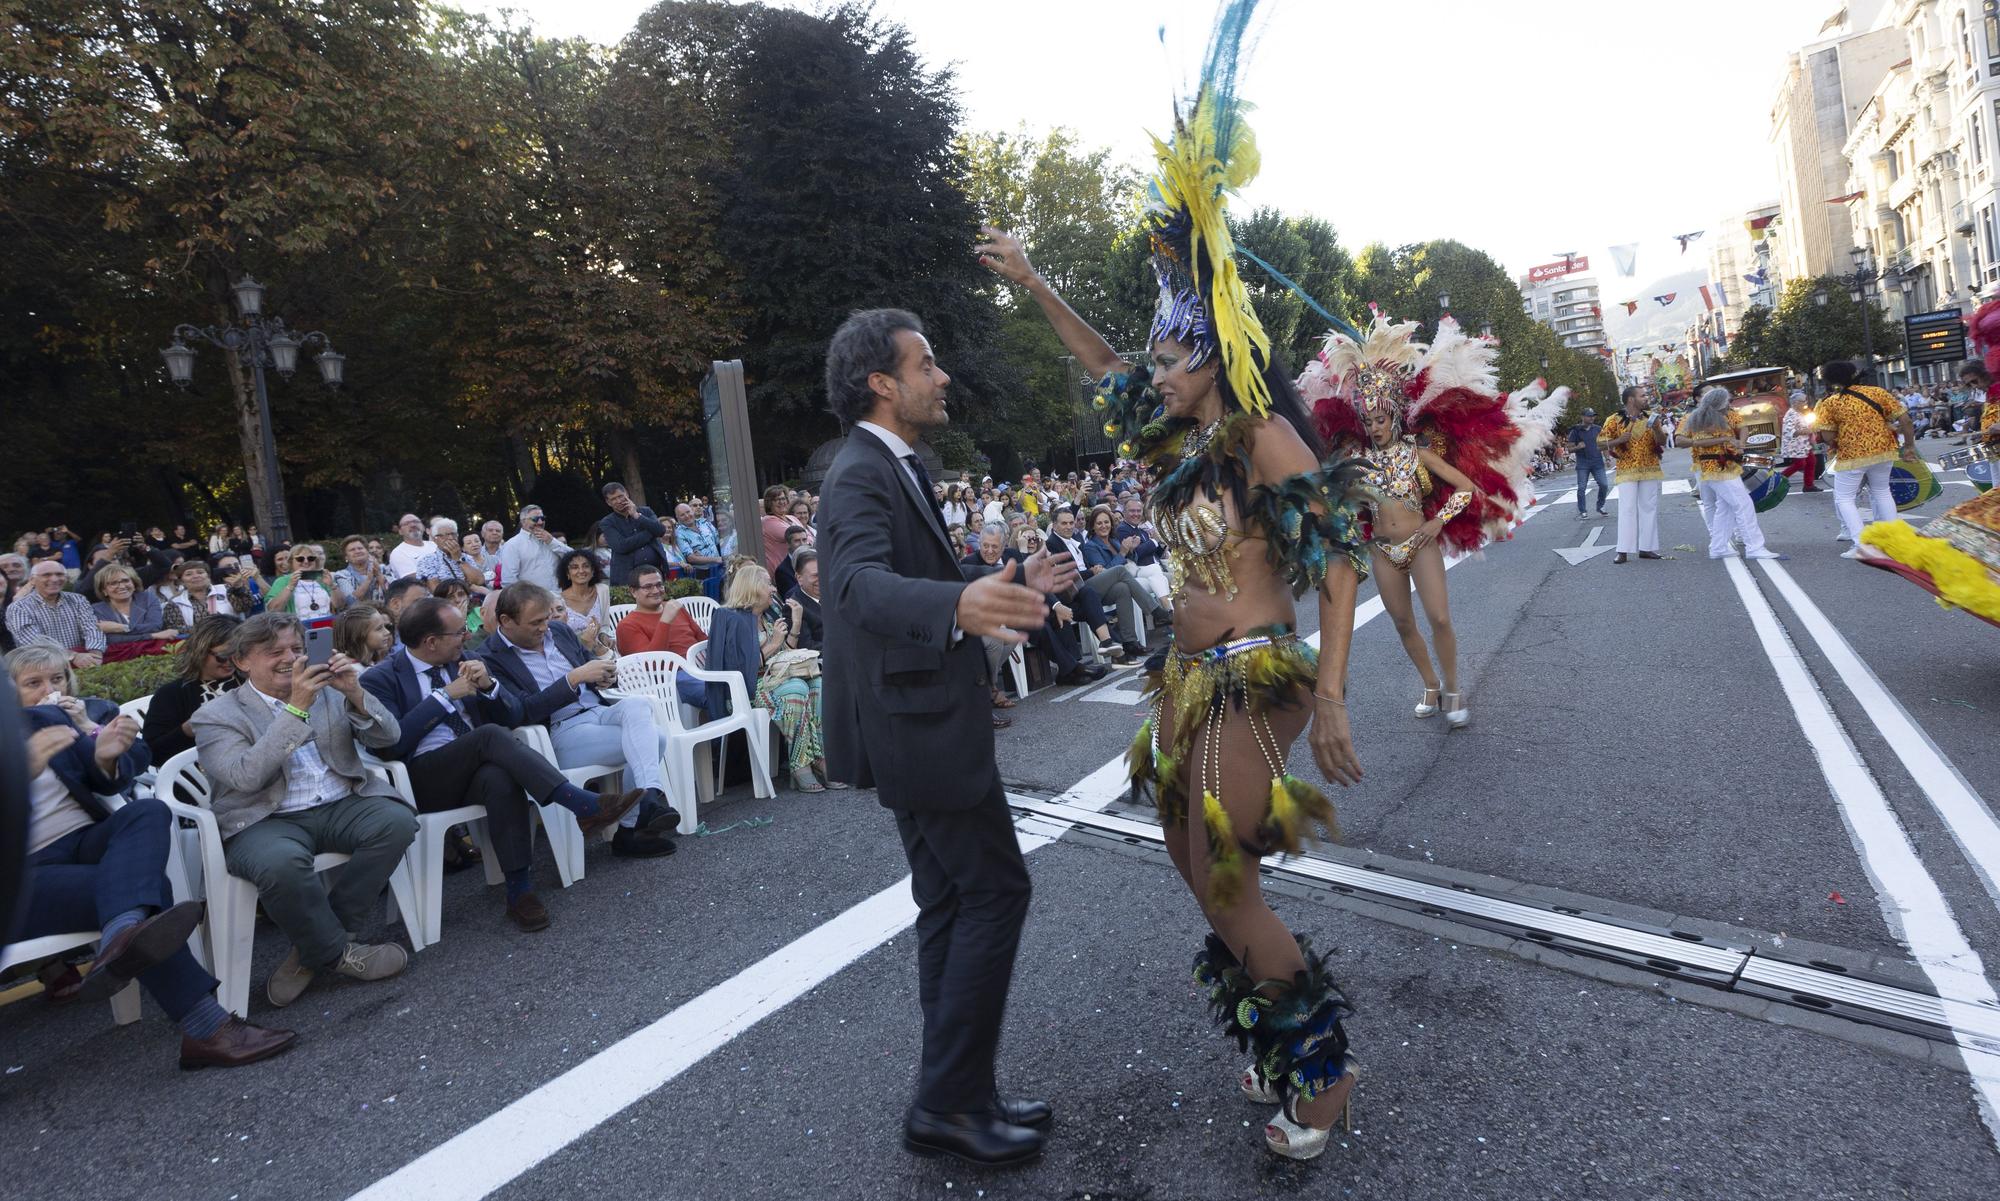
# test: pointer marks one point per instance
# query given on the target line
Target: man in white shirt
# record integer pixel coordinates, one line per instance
(279, 754)
(546, 666)
(530, 556)
(411, 550)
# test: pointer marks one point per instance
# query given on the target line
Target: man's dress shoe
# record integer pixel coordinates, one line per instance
(975, 1138)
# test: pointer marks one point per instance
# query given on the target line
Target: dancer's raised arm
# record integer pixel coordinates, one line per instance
(1003, 254)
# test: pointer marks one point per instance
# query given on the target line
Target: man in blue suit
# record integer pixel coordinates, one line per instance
(556, 680)
(95, 867)
(454, 719)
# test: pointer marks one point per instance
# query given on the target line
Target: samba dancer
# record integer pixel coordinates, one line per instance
(1713, 431)
(1250, 519)
(1635, 441)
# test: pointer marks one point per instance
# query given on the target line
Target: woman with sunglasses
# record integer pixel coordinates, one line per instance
(304, 589)
(206, 672)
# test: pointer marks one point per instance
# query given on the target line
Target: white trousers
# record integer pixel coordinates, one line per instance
(1847, 483)
(1639, 516)
(1726, 505)
(1154, 577)
(625, 732)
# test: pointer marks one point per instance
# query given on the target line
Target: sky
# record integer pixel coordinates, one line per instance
(1524, 128)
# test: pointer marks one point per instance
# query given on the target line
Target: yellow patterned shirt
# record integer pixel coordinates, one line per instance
(1638, 459)
(1862, 436)
(1715, 462)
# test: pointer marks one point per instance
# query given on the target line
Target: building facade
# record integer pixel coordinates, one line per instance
(1567, 301)
(1825, 85)
(1743, 259)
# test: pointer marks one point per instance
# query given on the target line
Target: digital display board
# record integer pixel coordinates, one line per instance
(1934, 337)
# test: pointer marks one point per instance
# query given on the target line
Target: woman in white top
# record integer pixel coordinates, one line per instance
(954, 505)
(584, 603)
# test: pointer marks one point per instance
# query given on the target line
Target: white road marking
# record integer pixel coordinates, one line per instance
(1964, 811)
(1588, 550)
(491, 1153)
(1912, 904)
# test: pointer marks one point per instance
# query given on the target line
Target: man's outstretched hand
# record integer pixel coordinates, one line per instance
(997, 606)
(1051, 573)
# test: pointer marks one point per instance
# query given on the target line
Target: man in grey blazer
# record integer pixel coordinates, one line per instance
(907, 689)
(287, 784)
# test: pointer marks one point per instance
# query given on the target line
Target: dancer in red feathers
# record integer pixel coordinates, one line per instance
(1448, 465)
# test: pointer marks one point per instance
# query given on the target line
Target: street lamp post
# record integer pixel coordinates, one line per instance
(1860, 286)
(260, 341)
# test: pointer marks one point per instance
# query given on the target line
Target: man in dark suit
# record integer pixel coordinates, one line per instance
(632, 532)
(454, 719)
(906, 688)
(803, 600)
(543, 663)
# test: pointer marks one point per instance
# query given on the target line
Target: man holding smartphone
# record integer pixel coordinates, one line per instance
(530, 556)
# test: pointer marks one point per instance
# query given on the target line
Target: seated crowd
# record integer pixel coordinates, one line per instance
(439, 651)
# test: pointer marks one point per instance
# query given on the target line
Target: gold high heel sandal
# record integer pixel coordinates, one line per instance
(1293, 1141)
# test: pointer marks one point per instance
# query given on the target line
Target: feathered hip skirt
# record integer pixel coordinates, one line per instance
(1194, 696)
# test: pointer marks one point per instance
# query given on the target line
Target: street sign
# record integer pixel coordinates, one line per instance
(1934, 337)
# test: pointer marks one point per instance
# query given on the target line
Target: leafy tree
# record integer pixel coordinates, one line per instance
(1069, 205)
(1752, 344)
(1818, 320)
(189, 142)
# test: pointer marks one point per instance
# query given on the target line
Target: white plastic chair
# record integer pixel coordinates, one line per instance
(425, 856)
(620, 613)
(1017, 666)
(691, 715)
(654, 675)
(136, 708)
(124, 1002)
(566, 840)
(701, 608)
(232, 901)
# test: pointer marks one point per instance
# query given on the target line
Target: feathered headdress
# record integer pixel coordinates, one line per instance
(1212, 153)
(1368, 373)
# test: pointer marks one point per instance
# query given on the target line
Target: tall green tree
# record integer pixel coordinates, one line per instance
(1818, 320)
(197, 141)
(1069, 205)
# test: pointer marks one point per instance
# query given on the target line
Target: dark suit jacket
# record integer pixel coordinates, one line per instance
(631, 540)
(900, 697)
(512, 671)
(394, 682)
(76, 764)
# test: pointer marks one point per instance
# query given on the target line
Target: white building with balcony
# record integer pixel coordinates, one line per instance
(1569, 305)
(1741, 253)
(1924, 156)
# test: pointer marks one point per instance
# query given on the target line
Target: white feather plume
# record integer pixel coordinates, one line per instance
(1455, 361)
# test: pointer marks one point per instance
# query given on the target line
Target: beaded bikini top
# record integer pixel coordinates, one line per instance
(1394, 472)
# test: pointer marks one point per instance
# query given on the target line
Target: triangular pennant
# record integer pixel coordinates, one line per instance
(1627, 258)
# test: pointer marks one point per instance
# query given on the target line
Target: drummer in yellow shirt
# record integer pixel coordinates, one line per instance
(1634, 445)
(1713, 431)
(1869, 430)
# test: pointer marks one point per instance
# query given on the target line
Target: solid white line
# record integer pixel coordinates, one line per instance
(500, 1148)
(1964, 811)
(1912, 904)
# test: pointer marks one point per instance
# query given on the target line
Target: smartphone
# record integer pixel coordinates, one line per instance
(319, 645)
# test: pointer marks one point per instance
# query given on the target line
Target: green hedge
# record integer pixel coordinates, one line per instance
(130, 680)
(676, 590)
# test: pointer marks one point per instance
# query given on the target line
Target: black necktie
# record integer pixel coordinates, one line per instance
(452, 716)
(924, 486)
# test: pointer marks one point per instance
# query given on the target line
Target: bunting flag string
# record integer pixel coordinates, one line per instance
(1759, 280)
(1684, 239)
(1845, 199)
(1627, 259)
(1713, 297)
(1666, 300)
(1631, 306)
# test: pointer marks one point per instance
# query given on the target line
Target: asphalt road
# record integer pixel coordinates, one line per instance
(740, 1020)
